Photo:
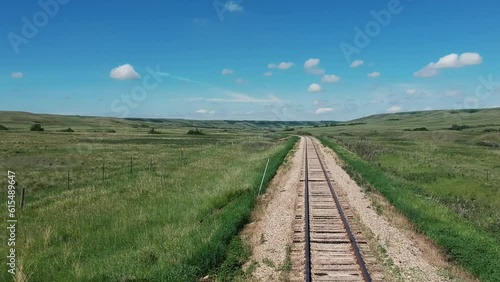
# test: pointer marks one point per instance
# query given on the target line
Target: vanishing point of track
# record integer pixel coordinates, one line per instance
(330, 249)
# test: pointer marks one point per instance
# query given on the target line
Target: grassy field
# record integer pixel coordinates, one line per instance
(137, 206)
(441, 169)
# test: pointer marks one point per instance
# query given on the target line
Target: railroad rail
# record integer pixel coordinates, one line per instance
(325, 246)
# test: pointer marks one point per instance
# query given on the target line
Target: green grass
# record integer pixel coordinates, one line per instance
(441, 180)
(476, 250)
(174, 218)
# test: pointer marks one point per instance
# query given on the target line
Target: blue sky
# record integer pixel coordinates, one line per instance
(250, 59)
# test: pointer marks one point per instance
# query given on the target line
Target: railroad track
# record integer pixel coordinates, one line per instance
(326, 247)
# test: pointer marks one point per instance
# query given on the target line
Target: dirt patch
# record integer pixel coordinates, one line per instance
(407, 255)
(270, 233)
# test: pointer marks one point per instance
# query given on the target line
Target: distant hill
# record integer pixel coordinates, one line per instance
(433, 119)
(23, 120)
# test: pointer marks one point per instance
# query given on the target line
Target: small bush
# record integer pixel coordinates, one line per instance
(304, 133)
(36, 127)
(488, 130)
(195, 132)
(68, 130)
(289, 129)
(459, 127)
(110, 131)
(152, 131)
(487, 143)
(417, 129)
(3, 127)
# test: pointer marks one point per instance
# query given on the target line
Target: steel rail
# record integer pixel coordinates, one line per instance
(306, 207)
(354, 244)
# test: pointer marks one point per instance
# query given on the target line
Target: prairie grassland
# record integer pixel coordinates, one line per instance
(445, 181)
(165, 209)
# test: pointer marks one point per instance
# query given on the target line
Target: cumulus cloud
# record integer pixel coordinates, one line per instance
(357, 63)
(17, 75)
(241, 81)
(311, 63)
(232, 6)
(268, 73)
(314, 88)
(124, 72)
(323, 111)
(449, 61)
(394, 109)
(374, 74)
(205, 112)
(317, 102)
(411, 91)
(281, 66)
(312, 66)
(227, 71)
(330, 78)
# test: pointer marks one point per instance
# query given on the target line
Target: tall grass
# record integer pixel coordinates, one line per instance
(471, 247)
(169, 221)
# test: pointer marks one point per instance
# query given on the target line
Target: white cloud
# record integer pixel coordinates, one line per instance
(227, 71)
(411, 91)
(235, 97)
(317, 102)
(452, 93)
(124, 72)
(449, 61)
(357, 63)
(268, 73)
(314, 88)
(281, 66)
(205, 112)
(241, 81)
(394, 109)
(17, 75)
(374, 74)
(330, 78)
(285, 65)
(323, 111)
(312, 66)
(311, 63)
(427, 109)
(233, 7)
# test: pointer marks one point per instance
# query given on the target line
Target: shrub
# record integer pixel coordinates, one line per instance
(195, 132)
(3, 127)
(152, 131)
(68, 130)
(459, 127)
(488, 130)
(289, 129)
(417, 129)
(304, 133)
(36, 127)
(110, 131)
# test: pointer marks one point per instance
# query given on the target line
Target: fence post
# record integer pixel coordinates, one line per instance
(23, 192)
(68, 179)
(263, 176)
